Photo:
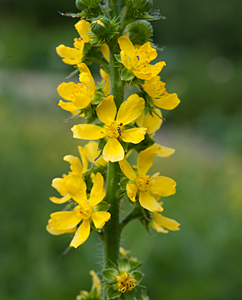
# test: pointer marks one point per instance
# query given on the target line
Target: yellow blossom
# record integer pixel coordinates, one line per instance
(71, 185)
(137, 59)
(125, 282)
(151, 121)
(73, 56)
(79, 95)
(83, 214)
(150, 188)
(157, 91)
(90, 153)
(114, 129)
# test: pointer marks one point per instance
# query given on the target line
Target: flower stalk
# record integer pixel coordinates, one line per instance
(116, 35)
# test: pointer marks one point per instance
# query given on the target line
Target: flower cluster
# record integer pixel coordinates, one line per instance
(115, 126)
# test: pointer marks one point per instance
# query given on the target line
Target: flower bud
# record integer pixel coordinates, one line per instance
(143, 5)
(82, 4)
(140, 32)
(100, 26)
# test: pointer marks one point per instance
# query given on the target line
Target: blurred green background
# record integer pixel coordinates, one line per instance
(203, 261)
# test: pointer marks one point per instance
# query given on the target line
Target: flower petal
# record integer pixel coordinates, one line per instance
(83, 28)
(134, 135)
(131, 191)
(72, 54)
(106, 110)
(60, 200)
(88, 81)
(100, 218)
(113, 150)
(76, 165)
(81, 234)
(148, 202)
(126, 45)
(145, 159)
(58, 184)
(127, 169)
(168, 101)
(163, 151)
(163, 186)
(54, 231)
(153, 122)
(66, 90)
(87, 132)
(69, 106)
(64, 220)
(98, 192)
(130, 109)
(83, 157)
(166, 222)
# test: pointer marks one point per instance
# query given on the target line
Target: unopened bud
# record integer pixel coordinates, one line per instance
(143, 5)
(140, 32)
(82, 4)
(100, 26)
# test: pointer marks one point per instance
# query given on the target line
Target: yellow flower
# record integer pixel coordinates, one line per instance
(151, 122)
(156, 89)
(79, 95)
(125, 282)
(71, 185)
(83, 214)
(137, 58)
(150, 188)
(129, 111)
(90, 153)
(159, 223)
(73, 56)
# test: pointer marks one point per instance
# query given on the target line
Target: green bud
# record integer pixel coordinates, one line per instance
(143, 5)
(140, 32)
(82, 4)
(97, 97)
(100, 26)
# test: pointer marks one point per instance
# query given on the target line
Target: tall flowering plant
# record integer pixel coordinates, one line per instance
(116, 35)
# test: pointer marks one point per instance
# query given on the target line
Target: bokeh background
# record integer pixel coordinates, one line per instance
(202, 47)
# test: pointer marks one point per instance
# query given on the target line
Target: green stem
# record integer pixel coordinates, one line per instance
(111, 236)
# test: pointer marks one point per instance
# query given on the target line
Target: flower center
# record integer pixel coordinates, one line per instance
(143, 182)
(125, 282)
(84, 210)
(114, 129)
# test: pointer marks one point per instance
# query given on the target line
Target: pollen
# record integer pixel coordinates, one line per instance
(143, 182)
(125, 282)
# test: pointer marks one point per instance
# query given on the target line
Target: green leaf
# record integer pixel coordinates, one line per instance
(124, 265)
(113, 293)
(123, 183)
(127, 75)
(110, 275)
(118, 58)
(102, 206)
(137, 275)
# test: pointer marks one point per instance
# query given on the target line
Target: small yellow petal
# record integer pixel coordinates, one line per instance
(69, 106)
(66, 90)
(83, 28)
(153, 122)
(98, 192)
(130, 109)
(88, 81)
(113, 150)
(166, 222)
(163, 186)
(99, 218)
(168, 101)
(76, 165)
(106, 110)
(88, 132)
(134, 135)
(59, 185)
(81, 234)
(83, 157)
(127, 169)
(54, 231)
(64, 220)
(131, 191)
(148, 202)
(60, 200)
(126, 45)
